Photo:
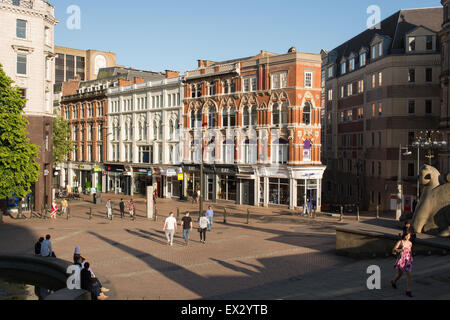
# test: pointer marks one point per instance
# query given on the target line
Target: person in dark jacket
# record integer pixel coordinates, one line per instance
(122, 208)
(89, 283)
(37, 246)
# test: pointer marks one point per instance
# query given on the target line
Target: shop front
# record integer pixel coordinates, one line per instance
(227, 183)
(143, 178)
(115, 178)
(191, 180)
(172, 186)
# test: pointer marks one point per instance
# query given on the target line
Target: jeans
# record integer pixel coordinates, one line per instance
(210, 219)
(108, 213)
(186, 233)
(169, 235)
(203, 235)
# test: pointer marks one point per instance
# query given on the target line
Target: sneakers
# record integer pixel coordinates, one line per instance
(104, 290)
(102, 297)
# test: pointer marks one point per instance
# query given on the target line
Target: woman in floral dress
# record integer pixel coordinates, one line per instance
(404, 263)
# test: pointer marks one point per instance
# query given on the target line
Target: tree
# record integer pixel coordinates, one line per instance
(19, 168)
(62, 145)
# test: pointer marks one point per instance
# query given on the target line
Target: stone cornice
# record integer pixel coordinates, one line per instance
(30, 12)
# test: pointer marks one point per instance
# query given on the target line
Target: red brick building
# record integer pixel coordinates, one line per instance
(260, 118)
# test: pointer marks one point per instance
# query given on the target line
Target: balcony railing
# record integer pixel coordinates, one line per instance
(19, 3)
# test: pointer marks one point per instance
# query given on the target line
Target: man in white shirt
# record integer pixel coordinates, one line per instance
(170, 227)
(46, 248)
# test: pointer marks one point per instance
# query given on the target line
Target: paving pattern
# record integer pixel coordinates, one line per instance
(276, 256)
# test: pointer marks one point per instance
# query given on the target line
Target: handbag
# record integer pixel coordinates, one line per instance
(199, 230)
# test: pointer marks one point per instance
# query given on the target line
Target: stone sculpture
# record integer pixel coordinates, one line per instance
(432, 214)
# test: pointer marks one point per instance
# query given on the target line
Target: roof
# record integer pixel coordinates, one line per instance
(395, 27)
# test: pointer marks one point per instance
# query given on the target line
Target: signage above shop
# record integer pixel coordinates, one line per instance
(171, 173)
(180, 177)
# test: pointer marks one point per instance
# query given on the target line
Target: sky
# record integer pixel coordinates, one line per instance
(174, 34)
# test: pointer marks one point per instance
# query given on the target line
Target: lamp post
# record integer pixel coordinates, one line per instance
(399, 211)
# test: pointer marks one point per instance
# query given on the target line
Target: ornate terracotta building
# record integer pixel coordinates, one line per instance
(259, 121)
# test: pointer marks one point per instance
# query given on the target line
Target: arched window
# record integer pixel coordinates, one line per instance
(250, 151)
(212, 117)
(275, 115)
(254, 115)
(246, 117)
(225, 119)
(279, 151)
(198, 119)
(307, 113)
(284, 114)
(228, 152)
(192, 119)
(232, 117)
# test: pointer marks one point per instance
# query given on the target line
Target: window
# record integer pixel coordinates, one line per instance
(411, 138)
(360, 86)
(374, 52)
(380, 109)
(228, 152)
(247, 85)
(212, 118)
(380, 79)
(21, 29)
(308, 79)
(352, 64)
(362, 59)
(330, 72)
(342, 92)
(275, 115)
(279, 151)
(412, 43)
(343, 68)
(411, 107)
(374, 81)
(429, 44)
(253, 86)
(429, 75)
(330, 95)
(21, 64)
(307, 110)
(279, 80)
(380, 139)
(361, 113)
(250, 151)
(212, 89)
(412, 75)
(350, 89)
(428, 106)
(350, 115)
(380, 49)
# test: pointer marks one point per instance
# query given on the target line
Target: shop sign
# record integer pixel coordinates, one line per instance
(80, 166)
(171, 173)
(180, 177)
(97, 169)
(149, 173)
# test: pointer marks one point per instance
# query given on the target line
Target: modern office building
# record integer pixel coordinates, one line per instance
(255, 124)
(444, 158)
(27, 56)
(143, 136)
(381, 88)
(84, 104)
(83, 65)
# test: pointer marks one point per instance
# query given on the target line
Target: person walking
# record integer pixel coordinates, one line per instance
(199, 194)
(64, 206)
(54, 210)
(122, 208)
(404, 262)
(46, 248)
(170, 227)
(187, 224)
(203, 227)
(154, 197)
(108, 209)
(210, 216)
(131, 209)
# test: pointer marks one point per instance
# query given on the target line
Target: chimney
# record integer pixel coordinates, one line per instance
(123, 83)
(200, 63)
(172, 74)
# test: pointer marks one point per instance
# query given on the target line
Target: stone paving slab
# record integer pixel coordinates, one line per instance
(267, 259)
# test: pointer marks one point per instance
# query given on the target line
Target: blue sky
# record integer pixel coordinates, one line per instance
(174, 34)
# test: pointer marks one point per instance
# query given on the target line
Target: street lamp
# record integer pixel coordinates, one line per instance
(399, 211)
(430, 140)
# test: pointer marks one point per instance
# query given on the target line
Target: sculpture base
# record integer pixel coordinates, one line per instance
(377, 238)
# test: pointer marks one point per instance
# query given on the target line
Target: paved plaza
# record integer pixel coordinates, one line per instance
(277, 256)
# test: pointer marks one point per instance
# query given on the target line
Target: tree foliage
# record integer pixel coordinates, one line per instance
(62, 145)
(19, 168)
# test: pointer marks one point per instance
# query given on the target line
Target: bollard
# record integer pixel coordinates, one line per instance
(342, 214)
(358, 214)
(156, 214)
(225, 215)
(178, 213)
(90, 213)
(248, 216)
(68, 213)
(378, 212)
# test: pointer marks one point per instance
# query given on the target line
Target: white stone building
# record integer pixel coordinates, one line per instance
(27, 56)
(143, 137)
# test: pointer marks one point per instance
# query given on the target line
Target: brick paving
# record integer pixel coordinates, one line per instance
(276, 256)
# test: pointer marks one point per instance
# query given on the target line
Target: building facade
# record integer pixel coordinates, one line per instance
(381, 90)
(255, 124)
(143, 136)
(27, 38)
(445, 87)
(84, 65)
(85, 106)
